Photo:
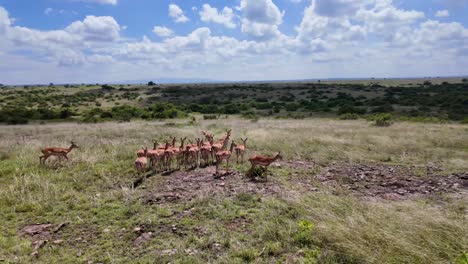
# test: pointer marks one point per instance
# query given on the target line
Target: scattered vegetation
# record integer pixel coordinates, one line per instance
(428, 101)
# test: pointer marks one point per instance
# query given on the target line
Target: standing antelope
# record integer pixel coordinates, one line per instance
(156, 155)
(240, 150)
(222, 143)
(172, 152)
(140, 162)
(192, 154)
(53, 151)
(208, 135)
(205, 152)
(224, 155)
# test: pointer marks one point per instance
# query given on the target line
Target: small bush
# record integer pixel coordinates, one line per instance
(382, 120)
(303, 235)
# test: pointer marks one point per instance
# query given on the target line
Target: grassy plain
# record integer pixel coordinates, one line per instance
(92, 193)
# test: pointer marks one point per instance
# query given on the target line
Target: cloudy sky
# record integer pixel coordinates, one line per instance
(74, 41)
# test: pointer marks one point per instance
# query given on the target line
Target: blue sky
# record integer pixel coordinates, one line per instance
(65, 41)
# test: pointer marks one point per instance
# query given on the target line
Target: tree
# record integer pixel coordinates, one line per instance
(464, 80)
(51, 84)
(151, 83)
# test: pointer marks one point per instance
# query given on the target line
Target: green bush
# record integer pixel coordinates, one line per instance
(303, 235)
(382, 120)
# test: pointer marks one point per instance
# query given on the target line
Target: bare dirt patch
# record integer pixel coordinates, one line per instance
(40, 234)
(392, 182)
(187, 185)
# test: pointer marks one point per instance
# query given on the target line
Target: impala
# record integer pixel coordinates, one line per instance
(240, 150)
(53, 151)
(224, 155)
(264, 161)
(141, 162)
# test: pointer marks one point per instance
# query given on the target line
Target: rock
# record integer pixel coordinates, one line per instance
(58, 241)
(137, 229)
(217, 246)
(34, 229)
(106, 230)
(142, 238)
(169, 252)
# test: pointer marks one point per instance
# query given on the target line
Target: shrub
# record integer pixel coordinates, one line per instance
(303, 235)
(382, 120)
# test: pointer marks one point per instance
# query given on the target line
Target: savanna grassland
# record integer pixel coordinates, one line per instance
(294, 217)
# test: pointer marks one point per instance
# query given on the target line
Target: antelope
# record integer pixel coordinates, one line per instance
(224, 155)
(264, 161)
(208, 135)
(140, 162)
(156, 154)
(168, 156)
(53, 151)
(205, 152)
(240, 150)
(175, 152)
(192, 153)
(222, 143)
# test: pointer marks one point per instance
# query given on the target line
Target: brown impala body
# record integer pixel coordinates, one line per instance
(264, 161)
(53, 151)
(224, 155)
(141, 162)
(240, 150)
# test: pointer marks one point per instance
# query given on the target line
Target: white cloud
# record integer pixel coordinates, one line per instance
(442, 13)
(352, 39)
(211, 14)
(163, 31)
(93, 28)
(177, 14)
(260, 19)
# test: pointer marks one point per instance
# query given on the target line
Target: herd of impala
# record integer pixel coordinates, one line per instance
(203, 152)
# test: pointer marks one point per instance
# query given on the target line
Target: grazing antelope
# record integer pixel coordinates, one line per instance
(141, 162)
(224, 155)
(53, 151)
(240, 150)
(264, 161)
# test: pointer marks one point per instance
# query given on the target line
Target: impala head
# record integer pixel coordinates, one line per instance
(73, 145)
(244, 141)
(145, 151)
(155, 144)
